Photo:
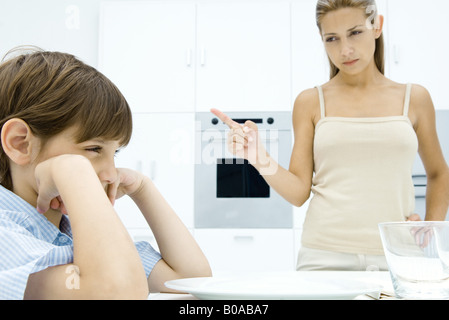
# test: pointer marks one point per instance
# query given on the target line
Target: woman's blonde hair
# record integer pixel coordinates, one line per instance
(325, 6)
(52, 91)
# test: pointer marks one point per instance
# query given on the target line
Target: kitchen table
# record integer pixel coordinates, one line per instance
(382, 279)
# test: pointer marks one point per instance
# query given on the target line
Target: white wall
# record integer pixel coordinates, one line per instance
(56, 25)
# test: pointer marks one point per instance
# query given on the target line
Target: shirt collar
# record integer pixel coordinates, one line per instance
(26, 215)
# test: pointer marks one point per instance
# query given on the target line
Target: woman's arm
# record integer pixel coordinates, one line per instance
(293, 184)
(437, 194)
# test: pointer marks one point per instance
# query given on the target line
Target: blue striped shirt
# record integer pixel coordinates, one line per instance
(30, 243)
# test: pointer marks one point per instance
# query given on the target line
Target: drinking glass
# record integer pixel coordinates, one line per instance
(417, 254)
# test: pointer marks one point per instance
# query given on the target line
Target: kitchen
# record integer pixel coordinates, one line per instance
(220, 54)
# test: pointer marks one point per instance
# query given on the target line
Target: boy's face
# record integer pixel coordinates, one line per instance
(100, 152)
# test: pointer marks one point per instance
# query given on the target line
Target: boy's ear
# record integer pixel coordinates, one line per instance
(17, 141)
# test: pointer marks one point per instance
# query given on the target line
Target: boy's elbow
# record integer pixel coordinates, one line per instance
(197, 270)
(206, 272)
(203, 270)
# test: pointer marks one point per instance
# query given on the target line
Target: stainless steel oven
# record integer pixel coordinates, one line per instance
(229, 192)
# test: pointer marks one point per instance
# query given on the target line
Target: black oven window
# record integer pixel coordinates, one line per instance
(236, 178)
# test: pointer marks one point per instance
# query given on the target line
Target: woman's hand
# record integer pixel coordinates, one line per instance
(414, 217)
(422, 235)
(243, 140)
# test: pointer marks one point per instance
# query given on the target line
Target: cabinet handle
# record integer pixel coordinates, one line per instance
(245, 239)
(396, 54)
(203, 56)
(189, 57)
(152, 170)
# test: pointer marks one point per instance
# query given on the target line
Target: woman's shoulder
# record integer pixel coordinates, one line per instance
(307, 103)
(307, 99)
(419, 92)
(309, 93)
(421, 109)
(419, 95)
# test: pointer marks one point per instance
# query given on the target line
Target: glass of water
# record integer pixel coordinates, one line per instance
(417, 254)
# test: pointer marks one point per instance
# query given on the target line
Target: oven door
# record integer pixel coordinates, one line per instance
(230, 193)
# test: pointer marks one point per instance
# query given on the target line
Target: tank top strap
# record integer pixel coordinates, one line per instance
(321, 96)
(408, 92)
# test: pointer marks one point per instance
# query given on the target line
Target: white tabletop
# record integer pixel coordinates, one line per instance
(171, 296)
(380, 278)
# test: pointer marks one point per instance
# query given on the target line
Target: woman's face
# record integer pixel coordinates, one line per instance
(349, 40)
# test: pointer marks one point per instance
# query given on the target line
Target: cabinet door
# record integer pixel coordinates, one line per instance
(231, 251)
(418, 48)
(147, 50)
(65, 26)
(243, 56)
(309, 59)
(161, 148)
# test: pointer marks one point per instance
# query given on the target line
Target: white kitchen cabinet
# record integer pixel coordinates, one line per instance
(181, 57)
(232, 251)
(64, 26)
(147, 49)
(244, 56)
(162, 149)
(310, 66)
(418, 49)
(298, 237)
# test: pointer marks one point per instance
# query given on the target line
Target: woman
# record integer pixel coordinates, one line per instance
(356, 138)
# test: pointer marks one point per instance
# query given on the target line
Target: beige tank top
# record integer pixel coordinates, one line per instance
(363, 176)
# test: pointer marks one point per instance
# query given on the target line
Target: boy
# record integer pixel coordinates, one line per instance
(60, 238)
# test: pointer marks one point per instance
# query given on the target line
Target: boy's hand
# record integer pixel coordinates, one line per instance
(48, 194)
(46, 188)
(128, 182)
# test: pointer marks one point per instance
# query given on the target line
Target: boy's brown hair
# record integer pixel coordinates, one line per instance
(52, 91)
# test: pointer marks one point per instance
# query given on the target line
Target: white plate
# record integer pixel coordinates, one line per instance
(320, 285)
